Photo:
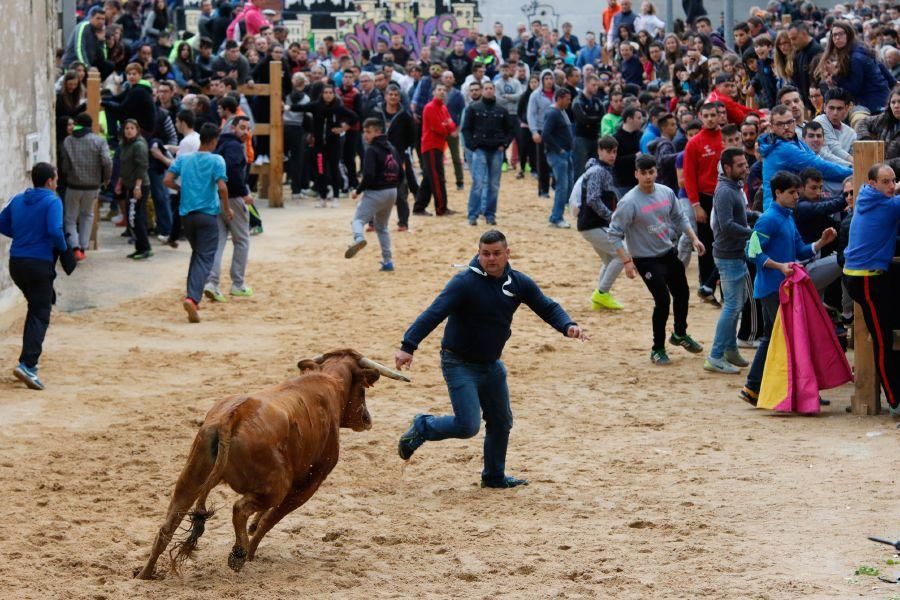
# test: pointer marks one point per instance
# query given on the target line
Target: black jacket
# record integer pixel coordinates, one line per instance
(232, 150)
(399, 127)
(460, 65)
(803, 62)
(488, 125)
(382, 168)
(814, 217)
(588, 113)
(134, 103)
(629, 147)
(326, 117)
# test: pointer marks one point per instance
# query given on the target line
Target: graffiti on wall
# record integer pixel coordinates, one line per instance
(415, 34)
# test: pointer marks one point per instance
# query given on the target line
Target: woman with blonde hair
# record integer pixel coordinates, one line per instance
(851, 65)
(784, 59)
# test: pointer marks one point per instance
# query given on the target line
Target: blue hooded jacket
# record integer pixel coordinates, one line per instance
(479, 311)
(873, 231)
(34, 221)
(775, 236)
(778, 154)
(866, 80)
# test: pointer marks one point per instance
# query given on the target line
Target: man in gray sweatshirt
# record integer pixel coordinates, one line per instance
(648, 219)
(730, 234)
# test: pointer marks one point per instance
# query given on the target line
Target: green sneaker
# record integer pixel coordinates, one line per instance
(659, 357)
(686, 342)
(528, 168)
(504, 168)
(244, 292)
(214, 293)
(604, 300)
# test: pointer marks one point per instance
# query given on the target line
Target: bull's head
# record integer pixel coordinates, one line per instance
(357, 372)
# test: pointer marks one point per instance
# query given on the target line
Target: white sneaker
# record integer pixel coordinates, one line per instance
(720, 366)
(163, 238)
(265, 159)
(297, 197)
(334, 203)
(258, 161)
(561, 224)
(320, 203)
(747, 343)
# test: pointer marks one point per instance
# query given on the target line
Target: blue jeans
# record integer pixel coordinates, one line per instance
(485, 169)
(732, 272)
(162, 204)
(476, 389)
(561, 164)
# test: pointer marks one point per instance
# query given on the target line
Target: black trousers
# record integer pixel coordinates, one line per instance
(543, 169)
(403, 204)
(433, 183)
(295, 146)
(752, 313)
(664, 276)
(706, 263)
(175, 200)
(348, 155)
(35, 278)
(328, 169)
(526, 149)
(137, 219)
(877, 297)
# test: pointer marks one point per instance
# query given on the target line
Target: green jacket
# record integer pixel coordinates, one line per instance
(134, 160)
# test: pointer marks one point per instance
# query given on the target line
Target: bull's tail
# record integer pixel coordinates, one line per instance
(185, 548)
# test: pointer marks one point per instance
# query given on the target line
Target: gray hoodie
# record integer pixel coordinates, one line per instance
(508, 93)
(648, 222)
(538, 103)
(729, 219)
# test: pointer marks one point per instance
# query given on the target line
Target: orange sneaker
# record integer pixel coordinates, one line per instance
(192, 310)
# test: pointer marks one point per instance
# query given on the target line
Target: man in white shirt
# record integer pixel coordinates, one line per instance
(839, 136)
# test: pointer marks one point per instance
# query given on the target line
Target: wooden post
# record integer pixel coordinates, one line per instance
(866, 397)
(93, 98)
(93, 109)
(276, 136)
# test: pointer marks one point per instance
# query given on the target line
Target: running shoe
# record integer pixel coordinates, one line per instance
(505, 483)
(659, 357)
(708, 296)
(192, 310)
(214, 293)
(601, 300)
(257, 230)
(686, 342)
(354, 248)
(28, 376)
(734, 357)
(387, 267)
(244, 292)
(409, 442)
(749, 396)
(141, 255)
(79, 254)
(719, 365)
(504, 168)
(561, 224)
(402, 228)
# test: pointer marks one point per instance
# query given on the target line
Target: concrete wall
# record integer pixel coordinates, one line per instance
(26, 106)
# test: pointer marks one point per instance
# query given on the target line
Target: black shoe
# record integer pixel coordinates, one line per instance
(409, 442)
(491, 221)
(505, 483)
(422, 213)
(824, 402)
(447, 213)
(708, 297)
(459, 186)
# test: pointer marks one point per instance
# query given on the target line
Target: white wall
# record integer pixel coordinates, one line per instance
(26, 104)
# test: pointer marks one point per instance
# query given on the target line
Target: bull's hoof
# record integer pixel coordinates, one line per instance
(237, 558)
(139, 573)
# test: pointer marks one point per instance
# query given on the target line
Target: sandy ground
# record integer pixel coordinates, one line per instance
(646, 482)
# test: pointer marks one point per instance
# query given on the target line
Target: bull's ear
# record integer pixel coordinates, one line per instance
(370, 376)
(308, 365)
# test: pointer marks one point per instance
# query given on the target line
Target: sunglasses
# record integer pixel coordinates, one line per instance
(847, 194)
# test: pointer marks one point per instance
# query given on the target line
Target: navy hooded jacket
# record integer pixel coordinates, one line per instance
(34, 221)
(479, 311)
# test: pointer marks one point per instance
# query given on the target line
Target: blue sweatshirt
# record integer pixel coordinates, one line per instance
(873, 231)
(479, 311)
(775, 236)
(34, 221)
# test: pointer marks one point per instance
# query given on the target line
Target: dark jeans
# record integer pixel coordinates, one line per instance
(770, 309)
(295, 145)
(706, 263)
(328, 169)
(526, 149)
(202, 233)
(35, 278)
(348, 155)
(664, 276)
(877, 297)
(175, 233)
(137, 220)
(161, 202)
(584, 150)
(476, 390)
(433, 183)
(543, 169)
(402, 204)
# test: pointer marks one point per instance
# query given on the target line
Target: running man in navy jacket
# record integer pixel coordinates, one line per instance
(478, 304)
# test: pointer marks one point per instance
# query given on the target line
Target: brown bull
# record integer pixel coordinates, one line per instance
(274, 448)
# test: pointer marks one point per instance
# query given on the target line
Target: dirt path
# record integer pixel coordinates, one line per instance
(646, 482)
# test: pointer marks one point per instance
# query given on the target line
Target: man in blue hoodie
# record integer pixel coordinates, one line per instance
(782, 151)
(775, 246)
(34, 221)
(478, 305)
(870, 276)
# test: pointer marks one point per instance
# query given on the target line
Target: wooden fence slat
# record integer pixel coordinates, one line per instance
(93, 109)
(276, 136)
(867, 394)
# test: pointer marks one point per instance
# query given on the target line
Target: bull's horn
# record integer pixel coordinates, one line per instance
(365, 362)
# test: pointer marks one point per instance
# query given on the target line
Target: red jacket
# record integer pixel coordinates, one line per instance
(436, 126)
(701, 164)
(736, 112)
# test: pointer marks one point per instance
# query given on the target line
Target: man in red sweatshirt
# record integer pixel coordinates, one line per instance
(701, 160)
(437, 126)
(724, 92)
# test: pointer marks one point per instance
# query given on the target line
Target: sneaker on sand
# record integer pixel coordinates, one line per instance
(320, 203)
(490, 220)
(141, 255)
(334, 203)
(402, 228)
(659, 357)
(256, 230)
(214, 293)
(505, 483)
(720, 365)
(28, 376)
(708, 296)
(79, 255)
(561, 224)
(354, 248)
(473, 222)
(600, 300)
(686, 342)
(734, 357)
(244, 292)
(749, 396)
(192, 310)
(409, 442)
(747, 343)
(387, 266)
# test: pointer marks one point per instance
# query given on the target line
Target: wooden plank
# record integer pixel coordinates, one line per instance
(261, 129)
(276, 137)
(257, 89)
(867, 394)
(93, 98)
(94, 244)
